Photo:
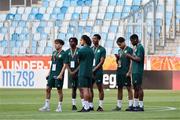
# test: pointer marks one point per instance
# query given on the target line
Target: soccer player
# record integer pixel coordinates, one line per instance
(100, 55)
(86, 57)
(137, 72)
(123, 74)
(72, 64)
(55, 77)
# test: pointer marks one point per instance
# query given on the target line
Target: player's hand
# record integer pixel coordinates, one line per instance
(117, 56)
(94, 70)
(128, 74)
(59, 77)
(128, 55)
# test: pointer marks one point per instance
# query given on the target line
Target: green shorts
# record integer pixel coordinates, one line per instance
(84, 82)
(98, 78)
(137, 79)
(55, 83)
(73, 81)
(123, 80)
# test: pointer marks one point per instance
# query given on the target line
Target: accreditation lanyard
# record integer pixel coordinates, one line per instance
(95, 51)
(120, 55)
(72, 63)
(54, 59)
(55, 55)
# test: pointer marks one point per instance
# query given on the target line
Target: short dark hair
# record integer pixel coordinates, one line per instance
(74, 39)
(86, 39)
(120, 40)
(98, 36)
(59, 41)
(134, 37)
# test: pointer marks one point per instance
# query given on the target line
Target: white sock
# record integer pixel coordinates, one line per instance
(101, 103)
(86, 105)
(119, 103)
(91, 105)
(59, 104)
(135, 104)
(82, 101)
(130, 103)
(141, 104)
(47, 101)
(73, 101)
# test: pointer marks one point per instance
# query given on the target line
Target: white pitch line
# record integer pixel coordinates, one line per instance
(154, 109)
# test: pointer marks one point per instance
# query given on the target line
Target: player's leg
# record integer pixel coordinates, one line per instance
(130, 98)
(91, 93)
(59, 86)
(86, 96)
(120, 84)
(130, 93)
(60, 97)
(74, 98)
(119, 99)
(49, 86)
(141, 96)
(101, 97)
(81, 96)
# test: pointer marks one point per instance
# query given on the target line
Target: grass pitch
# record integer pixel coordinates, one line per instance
(21, 104)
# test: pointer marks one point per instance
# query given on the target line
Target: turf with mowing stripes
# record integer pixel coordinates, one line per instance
(23, 104)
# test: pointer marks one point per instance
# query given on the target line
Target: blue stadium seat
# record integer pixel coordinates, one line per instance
(10, 16)
(39, 16)
(31, 16)
(84, 16)
(22, 23)
(3, 43)
(120, 2)
(67, 3)
(87, 2)
(45, 4)
(108, 16)
(60, 16)
(40, 29)
(75, 16)
(34, 43)
(14, 24)
(44, 36)
(117, 16)
(80, 2)
(18, 44)
(53, 16)
(12, 43)
(33, 50)
(3, 30)
(15, 37)
(113, 29)
(62, 36)
(22, 36)
(113, 2)
(63, 9)
(35, 10)
(48, 50)
(56, 10)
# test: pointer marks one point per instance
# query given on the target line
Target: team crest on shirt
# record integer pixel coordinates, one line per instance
(59, 56)
(98, 51)
(125, 51)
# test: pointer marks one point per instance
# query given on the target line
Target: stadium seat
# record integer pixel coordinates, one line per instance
(39, 16)
(48, 50)
(10, 16)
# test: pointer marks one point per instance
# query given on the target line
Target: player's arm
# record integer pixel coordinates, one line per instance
(100, 64)
(130, 69)
(76, 70)
(136, 58)
(60, 76)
